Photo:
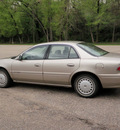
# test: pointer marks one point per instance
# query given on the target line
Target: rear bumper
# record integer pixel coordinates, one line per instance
(110, 80)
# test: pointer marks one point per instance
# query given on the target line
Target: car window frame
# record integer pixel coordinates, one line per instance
(49, 49)
(44, 57)
(75, 52)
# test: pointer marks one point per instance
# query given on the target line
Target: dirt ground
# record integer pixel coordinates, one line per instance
(37, 107)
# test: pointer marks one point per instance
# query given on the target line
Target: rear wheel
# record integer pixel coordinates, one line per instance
(86, 85)
(5, 79)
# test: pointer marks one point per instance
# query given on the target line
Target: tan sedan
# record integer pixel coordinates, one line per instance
(83, 66)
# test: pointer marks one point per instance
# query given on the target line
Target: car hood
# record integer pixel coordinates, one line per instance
(6, 62)
(12, 57)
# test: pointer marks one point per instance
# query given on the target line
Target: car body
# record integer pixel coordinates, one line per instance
(76, 64)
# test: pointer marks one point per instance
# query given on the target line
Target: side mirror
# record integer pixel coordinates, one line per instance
(20, 58)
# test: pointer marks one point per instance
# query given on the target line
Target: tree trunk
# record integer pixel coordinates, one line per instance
(12, 40)
(97, 34)
(66, 34)
(50, 29)
(28, 38)
(47, 35)
(20, 40)
(113, 34)
(33, 28)
(92, 38)
(60, 37)
(97, 30)
(51, 34)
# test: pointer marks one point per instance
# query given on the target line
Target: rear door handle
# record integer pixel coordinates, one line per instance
(70, 65)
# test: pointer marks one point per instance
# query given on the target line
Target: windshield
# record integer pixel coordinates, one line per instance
(91, 49)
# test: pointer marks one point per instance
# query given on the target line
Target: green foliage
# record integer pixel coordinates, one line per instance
(47, 20)
(10, 22)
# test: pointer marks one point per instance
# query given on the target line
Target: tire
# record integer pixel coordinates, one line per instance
(86, 85)
(5, 79)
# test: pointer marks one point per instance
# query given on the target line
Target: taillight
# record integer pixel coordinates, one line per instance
(118, 68)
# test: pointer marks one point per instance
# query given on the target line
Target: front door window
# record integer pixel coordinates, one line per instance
(36, 53)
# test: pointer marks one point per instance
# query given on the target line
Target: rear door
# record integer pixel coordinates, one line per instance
(62, 61)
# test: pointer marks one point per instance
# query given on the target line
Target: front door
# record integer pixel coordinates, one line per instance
(29, 68)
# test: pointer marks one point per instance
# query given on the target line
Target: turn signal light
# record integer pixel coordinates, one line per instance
(118, 68)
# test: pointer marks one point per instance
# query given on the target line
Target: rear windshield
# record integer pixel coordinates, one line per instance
(91, 49)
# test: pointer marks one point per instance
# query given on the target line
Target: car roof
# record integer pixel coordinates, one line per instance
(62, 42)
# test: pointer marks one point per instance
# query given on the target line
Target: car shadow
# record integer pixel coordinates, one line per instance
(44, 87)
(111, 92)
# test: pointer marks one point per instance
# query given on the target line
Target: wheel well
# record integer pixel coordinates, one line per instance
(80, 73)
(5, 70)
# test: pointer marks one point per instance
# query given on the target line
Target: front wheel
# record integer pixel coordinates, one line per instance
(86, 85)
(5, 79)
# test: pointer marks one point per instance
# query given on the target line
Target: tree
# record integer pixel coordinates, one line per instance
(49, 20)
(10, 25)
(94, 11)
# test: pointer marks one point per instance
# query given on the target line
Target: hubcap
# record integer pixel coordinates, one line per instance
(2, 80)
(86, 86)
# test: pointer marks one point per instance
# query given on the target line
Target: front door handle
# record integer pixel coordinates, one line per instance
(70, 65)
(37, 65)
